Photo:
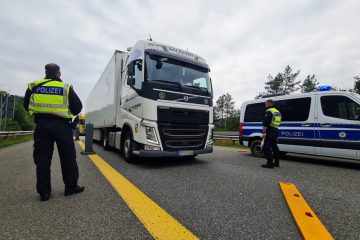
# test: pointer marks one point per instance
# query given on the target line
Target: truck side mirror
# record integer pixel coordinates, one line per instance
(131, 69)
(130, 81)
(131, 74)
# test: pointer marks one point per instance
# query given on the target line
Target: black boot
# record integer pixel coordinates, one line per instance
(44, 196)
(75, 190)
(276, 163)
(268, 165)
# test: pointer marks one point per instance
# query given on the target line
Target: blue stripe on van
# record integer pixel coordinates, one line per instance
(337, 135)
(356, 126)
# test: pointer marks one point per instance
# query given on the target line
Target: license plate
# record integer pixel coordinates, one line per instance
(185, 153)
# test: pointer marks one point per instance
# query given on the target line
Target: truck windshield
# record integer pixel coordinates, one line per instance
(170, 71)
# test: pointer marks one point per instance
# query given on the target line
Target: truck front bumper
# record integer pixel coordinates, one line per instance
(179, 153)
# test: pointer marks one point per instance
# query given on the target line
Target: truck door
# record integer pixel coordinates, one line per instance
(338, 127)
(296, 133)
(131, 101)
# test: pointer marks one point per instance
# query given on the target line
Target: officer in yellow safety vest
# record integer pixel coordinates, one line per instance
(53, 103)
(271, 125)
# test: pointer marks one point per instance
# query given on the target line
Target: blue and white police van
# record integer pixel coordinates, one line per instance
(323, 123)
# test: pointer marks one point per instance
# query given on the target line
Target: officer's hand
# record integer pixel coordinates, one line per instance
(75, 122)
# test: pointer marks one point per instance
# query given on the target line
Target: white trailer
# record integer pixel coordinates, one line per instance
(154, 100)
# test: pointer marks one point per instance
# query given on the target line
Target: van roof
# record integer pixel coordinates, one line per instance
(299, 95)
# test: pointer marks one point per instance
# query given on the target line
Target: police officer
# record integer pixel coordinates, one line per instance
(53, 103)
(271, 124)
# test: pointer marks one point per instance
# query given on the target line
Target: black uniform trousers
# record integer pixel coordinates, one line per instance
(47, 132)
(271, 150)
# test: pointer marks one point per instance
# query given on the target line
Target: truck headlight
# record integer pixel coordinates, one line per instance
(210, 139)
(151, 135)
(211, 135)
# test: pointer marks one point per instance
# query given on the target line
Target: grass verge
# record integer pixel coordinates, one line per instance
(228, 143)
(8, 141)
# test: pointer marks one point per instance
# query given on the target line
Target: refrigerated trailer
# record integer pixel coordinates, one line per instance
(153, 100)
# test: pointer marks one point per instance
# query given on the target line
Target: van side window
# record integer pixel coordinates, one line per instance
(340, 107)
(254, 112)
(294, 110)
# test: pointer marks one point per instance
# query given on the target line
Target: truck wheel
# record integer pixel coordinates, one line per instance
(127, 147)
(255, 148)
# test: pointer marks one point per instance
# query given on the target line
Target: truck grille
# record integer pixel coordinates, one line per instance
(182, 129)
(183, 137)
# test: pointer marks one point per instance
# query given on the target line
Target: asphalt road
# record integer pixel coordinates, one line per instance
(224, 195)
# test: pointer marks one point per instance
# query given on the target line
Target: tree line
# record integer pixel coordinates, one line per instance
(226, 117)
(21, 121)
(287, 82)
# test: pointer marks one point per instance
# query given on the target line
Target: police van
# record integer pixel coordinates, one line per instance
(323, 123)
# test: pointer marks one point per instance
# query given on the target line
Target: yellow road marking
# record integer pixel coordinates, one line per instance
(156, 220)
(244, 150)
(309, 224)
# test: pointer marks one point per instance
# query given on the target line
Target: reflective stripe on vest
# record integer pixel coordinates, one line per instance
(276, 119)
(50, 98)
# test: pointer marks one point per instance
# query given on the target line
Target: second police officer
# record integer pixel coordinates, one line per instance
(271, 124)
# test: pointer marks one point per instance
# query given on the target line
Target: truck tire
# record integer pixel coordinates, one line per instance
(255, 148)
(127, 147)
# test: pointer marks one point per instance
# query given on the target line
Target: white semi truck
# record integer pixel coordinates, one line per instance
(154, 100)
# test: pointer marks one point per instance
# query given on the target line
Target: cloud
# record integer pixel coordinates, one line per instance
(243, 41)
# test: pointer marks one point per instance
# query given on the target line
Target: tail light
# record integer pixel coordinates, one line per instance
(240, 129)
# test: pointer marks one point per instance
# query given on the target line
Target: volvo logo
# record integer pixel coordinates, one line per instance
(186, 98)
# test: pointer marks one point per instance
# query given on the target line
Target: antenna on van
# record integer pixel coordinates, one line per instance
(150, 39)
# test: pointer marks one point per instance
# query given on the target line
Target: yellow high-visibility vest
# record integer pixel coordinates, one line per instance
(276, 119)
(50, 98)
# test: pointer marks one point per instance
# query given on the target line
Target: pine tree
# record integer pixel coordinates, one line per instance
(357, 84)
(290, 84)
(225, 106)
(283, 82)
(310, 84)
(274, 85)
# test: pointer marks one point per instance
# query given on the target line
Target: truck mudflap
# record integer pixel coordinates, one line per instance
(180, 153)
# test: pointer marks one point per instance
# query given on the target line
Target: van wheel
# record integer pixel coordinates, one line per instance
(127, 147)
(255, 148)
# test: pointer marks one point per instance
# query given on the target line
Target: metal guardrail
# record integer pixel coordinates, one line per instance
(234, 138)
(15, 133)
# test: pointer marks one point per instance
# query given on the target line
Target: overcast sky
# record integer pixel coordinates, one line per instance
(242, 41)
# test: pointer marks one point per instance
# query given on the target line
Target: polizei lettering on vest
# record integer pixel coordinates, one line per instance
(50, 90)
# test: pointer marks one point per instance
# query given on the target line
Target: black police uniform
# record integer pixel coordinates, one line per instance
(50, 129)
(270, 148)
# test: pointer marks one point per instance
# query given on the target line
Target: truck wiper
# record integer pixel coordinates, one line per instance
(169, 82)
(198, 88)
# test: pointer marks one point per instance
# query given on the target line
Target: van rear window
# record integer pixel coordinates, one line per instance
(254, 112)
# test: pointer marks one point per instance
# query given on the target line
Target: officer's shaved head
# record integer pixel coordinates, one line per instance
(52, 70)
(269, 102)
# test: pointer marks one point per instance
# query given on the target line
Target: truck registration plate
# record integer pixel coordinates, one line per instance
(185, 153)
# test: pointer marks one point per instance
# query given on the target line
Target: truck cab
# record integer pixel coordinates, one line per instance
(162, 103)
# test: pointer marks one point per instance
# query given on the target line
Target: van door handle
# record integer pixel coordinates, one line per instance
(325, 124)
(306, 124)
